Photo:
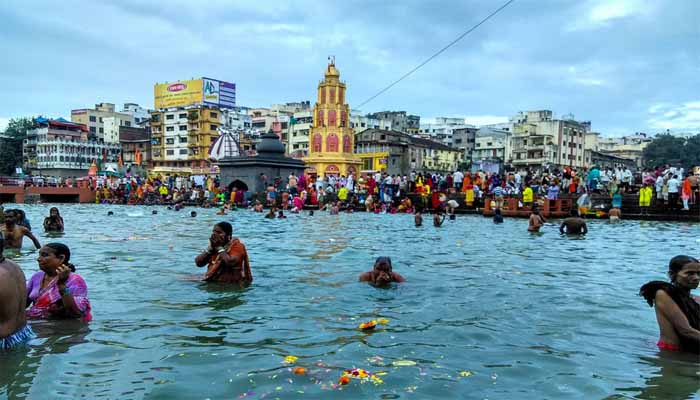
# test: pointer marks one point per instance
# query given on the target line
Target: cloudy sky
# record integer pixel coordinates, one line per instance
(626, 65)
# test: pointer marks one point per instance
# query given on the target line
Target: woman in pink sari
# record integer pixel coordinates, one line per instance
(57, 291)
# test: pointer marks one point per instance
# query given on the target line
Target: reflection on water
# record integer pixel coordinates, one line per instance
(487, 312)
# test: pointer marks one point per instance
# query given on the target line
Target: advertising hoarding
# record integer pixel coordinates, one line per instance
(219, 93)
(177, 94)
(196, 91)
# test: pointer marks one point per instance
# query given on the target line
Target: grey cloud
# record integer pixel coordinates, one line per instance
(567, 56)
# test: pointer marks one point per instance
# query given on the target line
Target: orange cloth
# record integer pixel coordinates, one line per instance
(239, 273)
(466, 183)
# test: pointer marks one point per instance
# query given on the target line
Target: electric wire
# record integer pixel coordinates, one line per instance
(452, 43)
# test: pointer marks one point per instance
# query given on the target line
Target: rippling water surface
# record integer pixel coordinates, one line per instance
(488, 312)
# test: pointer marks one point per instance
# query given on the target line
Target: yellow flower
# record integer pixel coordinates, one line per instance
(465, 374)
(290, 359)
(383, 321)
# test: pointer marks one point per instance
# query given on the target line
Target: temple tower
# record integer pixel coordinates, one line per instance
(331, 140)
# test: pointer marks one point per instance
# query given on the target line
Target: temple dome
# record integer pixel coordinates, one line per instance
(225, 146)
(270, 144)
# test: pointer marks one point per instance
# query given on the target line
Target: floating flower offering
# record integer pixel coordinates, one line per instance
(290, 359)
(361, 375)
(299, 371)
(366, 326)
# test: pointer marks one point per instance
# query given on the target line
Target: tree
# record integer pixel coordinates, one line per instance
(691, 152)
(664, 149)
(11, 144)
(17, 127)
(10, 155)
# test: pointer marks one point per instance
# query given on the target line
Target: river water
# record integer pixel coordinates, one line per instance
(487, 312)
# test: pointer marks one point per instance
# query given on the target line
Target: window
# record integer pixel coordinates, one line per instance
(102, 130)
(127, 123)
(213, 127)
(182, 127)
(169, 128)
(317, 143)
(170, 141)
(170, 116)
(347, 145)
(214, 115)
(183, 115)
(93, 129)
(183, 151)
(183, 139)
(332, 143)
(382, 137)
(93, 118)
(489, 143)
(100, 119)
(169, 152)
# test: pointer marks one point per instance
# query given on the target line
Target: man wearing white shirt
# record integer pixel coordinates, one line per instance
(459, 178)
(673, 188)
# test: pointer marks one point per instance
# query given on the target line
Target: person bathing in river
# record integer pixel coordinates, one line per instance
(54, 222)
(57, 291)
(382, 274)
(614, 214)
(14, 233)
(226, 258)
(438, 219)
(574, 225)
(418, 219)
(677, 311)
(536, 221)
(13, 302)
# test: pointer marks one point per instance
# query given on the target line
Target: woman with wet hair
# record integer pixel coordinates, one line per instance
(54, 222)
(677, 311)
(57, 291)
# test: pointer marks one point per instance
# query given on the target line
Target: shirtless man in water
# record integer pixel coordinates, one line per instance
(14, 233)
(13, 302)
(536, 221)
(574, 225)
(381, 274)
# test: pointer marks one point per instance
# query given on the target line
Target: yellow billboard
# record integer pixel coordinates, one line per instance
(177, 94)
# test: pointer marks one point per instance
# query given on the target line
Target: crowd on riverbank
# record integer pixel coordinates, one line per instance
(406, 193)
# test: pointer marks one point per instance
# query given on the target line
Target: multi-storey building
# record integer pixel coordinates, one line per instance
(94, 120)
(442, 129)
(62, 148)
(300, 127)
(360, 123)
(629, 147)
(185, 123)
(398, 121)
(541, 141)
(464, 140)
(136, 146)
(492, 145)
(399, 153)
(181, 138)
(139, 114)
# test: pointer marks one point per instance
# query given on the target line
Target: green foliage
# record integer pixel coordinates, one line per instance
(668, 149)
(691, 152)
(11, 155)
(17, 127)
(11, 144)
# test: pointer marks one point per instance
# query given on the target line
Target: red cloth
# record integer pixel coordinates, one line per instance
(668, 346)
